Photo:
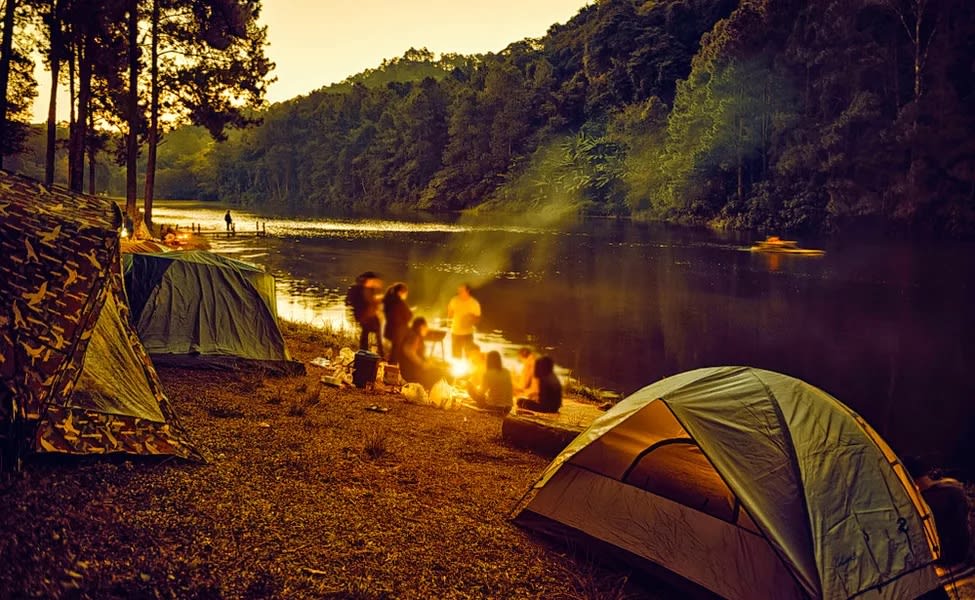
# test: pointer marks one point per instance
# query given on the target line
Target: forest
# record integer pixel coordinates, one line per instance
(133, 69)
(771, 115)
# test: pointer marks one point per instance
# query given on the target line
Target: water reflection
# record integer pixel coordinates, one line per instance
(882, 326)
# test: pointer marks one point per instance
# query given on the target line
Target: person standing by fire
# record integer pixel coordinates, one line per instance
(365, 297)
(464, 311)
(398, 315)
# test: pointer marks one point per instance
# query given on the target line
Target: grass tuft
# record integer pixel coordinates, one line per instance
(587, 581)
(328, 336)
(376, 444)
(313, 397)
(277, 397)
(225, 411)
(590, 393)
(297, 410)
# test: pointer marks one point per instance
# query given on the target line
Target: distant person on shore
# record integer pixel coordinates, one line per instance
(228, 220)
(465, 312)
(549, 394)
(170, 238)
(495, 391)
(365, 297)
(414, 365)
(398, 315)
(525, 383)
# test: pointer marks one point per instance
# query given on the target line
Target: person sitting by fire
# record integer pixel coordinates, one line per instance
(475, 359)
(398, 315)
(525, 383)
(549, 394)
(495, 391)
(413, 362)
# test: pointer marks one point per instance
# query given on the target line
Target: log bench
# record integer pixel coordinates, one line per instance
(547, 434)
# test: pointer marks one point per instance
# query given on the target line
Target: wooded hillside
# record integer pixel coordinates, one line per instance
(768, 114)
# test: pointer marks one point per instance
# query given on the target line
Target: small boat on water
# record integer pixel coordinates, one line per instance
(774, 245)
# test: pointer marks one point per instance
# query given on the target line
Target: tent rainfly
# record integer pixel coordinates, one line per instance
(199, 309)
(747, 483)
(73, 376)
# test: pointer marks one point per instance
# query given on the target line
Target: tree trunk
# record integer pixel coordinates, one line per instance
(132, 141)
(92, 151)
(897, 77)
(738, 153)
(72, 99)
(52, 107)
(79, 141)
(6, 47)
(153, 138)
(917, 50)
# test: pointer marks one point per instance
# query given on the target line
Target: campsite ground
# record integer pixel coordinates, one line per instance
(306, 494)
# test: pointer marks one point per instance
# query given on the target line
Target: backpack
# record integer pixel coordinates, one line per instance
(354, 298)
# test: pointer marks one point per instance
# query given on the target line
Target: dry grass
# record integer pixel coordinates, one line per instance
(313, 397)
(224, 410)
(322, 337)
(339, 503)
(588, 393)
(297, 410)
(376, 444)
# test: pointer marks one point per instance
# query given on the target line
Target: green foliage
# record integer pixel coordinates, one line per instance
(775, 115)
(454, 132)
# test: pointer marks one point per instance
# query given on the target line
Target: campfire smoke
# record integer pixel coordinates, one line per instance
(518, 220)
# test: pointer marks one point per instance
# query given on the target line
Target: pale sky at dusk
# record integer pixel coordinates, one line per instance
(318, 42)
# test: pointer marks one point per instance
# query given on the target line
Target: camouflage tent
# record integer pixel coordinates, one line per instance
(74, 377)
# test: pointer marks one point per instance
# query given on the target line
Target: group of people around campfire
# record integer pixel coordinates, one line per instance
(489, 384)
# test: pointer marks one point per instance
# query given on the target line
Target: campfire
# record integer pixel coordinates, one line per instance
(459, 367)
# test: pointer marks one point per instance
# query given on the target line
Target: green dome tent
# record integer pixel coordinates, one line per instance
(73, 376)
(748, 483)
(199, 309)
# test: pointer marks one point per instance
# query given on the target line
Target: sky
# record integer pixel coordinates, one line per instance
(318, 42)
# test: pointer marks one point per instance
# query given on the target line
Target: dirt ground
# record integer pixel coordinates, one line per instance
(306, 495)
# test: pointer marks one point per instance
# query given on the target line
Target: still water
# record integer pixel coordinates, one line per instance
(885, 327)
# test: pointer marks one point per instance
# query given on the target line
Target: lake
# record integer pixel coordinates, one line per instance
(884, 326)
